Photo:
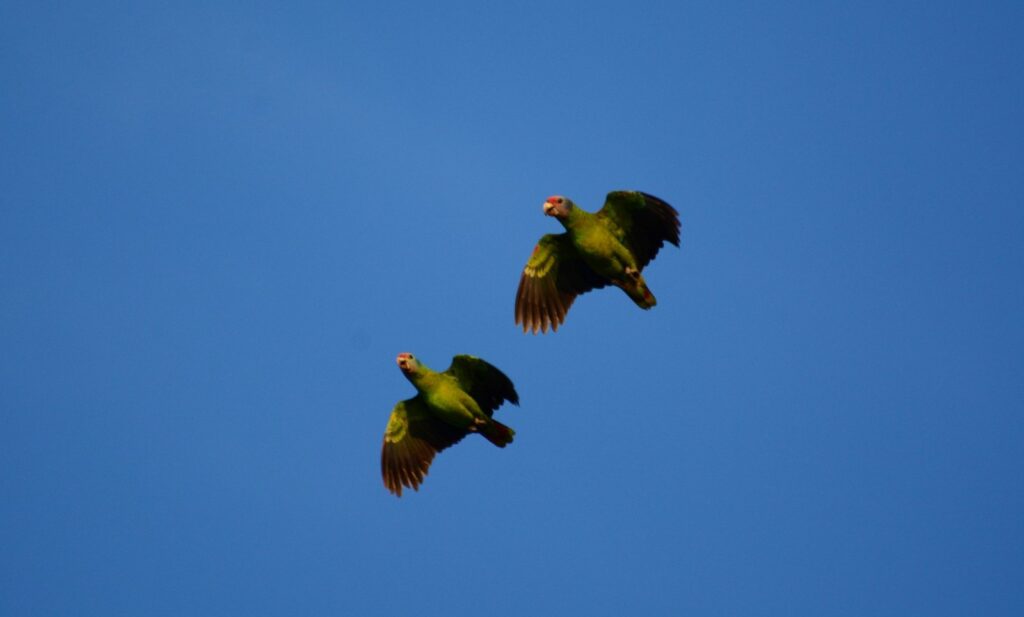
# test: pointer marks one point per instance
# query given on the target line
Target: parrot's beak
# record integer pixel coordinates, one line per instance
(549, 208)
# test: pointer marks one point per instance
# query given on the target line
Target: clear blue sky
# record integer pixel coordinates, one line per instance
(220, 223)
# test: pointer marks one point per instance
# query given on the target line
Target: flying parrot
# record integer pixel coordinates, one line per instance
(446, 408)
(611, 246)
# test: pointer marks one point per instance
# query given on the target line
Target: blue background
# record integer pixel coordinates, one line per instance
(221, 222)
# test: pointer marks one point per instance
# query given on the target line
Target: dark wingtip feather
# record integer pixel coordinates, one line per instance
(405, 467)
(669, 216)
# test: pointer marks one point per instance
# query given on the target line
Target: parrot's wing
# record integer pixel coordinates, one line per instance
(641, 221)
(412, 438)
(551, 280)
(488, 386)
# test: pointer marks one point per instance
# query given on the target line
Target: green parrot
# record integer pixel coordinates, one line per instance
(447, 407)
(611, 246)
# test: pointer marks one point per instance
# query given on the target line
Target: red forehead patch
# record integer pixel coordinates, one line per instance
(554, 199)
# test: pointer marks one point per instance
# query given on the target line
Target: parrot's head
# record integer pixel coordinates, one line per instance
(407, 363)
(558, 207)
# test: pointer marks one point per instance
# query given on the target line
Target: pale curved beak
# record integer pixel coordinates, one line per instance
(549, 208)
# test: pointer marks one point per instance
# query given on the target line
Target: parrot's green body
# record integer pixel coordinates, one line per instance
(609, 247)
(447, 400)
(602, 250)
(447, 407)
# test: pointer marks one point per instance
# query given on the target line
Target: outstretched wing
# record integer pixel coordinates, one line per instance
(641, 221)
(551, 280)
(488, 386)
(411, 440)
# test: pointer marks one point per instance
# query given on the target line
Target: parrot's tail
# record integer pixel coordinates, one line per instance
(640, 294)
(497, 433)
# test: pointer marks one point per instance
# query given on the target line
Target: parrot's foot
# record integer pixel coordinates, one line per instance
(633, 273)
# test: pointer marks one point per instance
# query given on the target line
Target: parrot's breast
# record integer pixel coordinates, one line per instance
(599, 247)
(451, 404)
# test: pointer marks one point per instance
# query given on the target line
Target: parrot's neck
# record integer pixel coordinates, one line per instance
(575, 219)
(422, 378)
